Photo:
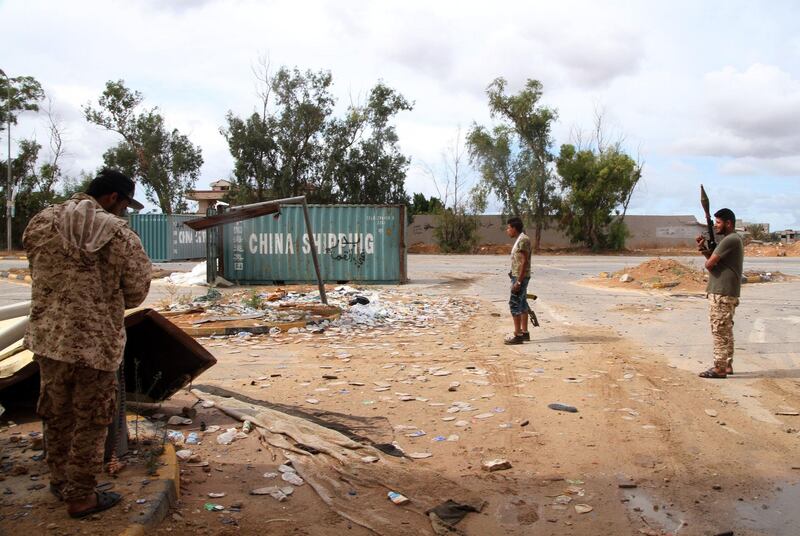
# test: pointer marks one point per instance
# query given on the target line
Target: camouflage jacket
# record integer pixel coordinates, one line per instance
(87, 267)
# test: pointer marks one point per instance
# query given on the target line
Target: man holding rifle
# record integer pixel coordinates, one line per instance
(724, 264)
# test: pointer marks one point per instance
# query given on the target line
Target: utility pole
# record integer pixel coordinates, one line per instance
(9, 193)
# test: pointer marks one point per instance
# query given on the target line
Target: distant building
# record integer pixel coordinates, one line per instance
(747, 226)
(789, 236)
(209, 198)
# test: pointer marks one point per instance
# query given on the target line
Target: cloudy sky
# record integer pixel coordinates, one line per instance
(702, 91)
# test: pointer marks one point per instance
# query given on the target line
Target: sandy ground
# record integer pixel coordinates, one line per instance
(653, 449)
(699, 462)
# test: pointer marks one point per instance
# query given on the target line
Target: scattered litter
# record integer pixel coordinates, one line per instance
(214, 495)
(563, 407)
(270, 490)
(398, 498)
(270, 475)
(192, 438)
(292, 478)
(175, 436)
(420, 455)
(183, 454)
(211, 429)
(583, 508)
(496, 465)
(369, 459)
(211, 507)
(484, 416)
(227, 437)
(178, 420)
(711, 412)
(451, 512)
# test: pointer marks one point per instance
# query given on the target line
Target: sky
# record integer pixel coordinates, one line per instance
(700, 91)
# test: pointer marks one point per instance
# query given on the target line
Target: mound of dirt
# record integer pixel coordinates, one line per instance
(772, 250)
(494, 249)
(657, 273)
(425, 249)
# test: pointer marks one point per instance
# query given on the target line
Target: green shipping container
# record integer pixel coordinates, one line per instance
(166, 238)
(364, 243)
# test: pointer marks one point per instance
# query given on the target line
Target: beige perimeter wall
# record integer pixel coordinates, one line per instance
(646, 232)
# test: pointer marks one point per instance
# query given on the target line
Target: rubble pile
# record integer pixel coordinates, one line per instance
(359, 310)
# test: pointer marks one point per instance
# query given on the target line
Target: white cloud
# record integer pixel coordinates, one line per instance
(701, 102)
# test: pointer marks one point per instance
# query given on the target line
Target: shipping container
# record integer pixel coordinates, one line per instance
(364, 243)
(166, 238)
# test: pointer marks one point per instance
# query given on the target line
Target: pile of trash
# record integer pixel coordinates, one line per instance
(357, 308)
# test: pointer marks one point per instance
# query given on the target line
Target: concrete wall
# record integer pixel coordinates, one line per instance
(646, 232)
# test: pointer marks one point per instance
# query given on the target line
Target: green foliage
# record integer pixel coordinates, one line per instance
(74, 185)
(254, 301)
(758, 232)
(34, 188)
(423, 205)
(456, 231)
(595, 183)
(617, 234)
(295, 146)
(164, 160)
(26, 92)
(514, 157)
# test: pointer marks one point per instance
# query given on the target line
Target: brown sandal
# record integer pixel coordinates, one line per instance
(713, 373)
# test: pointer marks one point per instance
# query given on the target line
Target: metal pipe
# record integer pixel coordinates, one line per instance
(286, 201)
(13, 333)
(322, 296)
(15, 310)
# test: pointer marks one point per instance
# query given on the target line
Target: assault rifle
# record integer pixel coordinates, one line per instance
(710, 240)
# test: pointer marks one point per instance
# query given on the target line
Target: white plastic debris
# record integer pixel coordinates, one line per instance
(227, 437)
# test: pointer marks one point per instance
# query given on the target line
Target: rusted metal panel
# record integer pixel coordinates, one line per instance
(363, 243)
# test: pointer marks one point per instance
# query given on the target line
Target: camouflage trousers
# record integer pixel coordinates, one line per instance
(720, 314)
(76, 405)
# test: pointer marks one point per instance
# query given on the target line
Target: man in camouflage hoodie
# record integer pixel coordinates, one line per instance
(87, 267)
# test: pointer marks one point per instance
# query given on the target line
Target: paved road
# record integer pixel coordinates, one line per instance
(766, 330)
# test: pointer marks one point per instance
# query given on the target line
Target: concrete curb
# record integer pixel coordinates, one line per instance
(14, 258)
(19, 277)
(167, 489)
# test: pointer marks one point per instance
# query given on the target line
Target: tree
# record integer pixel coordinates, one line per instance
(164, 160)
(596, 183)
(362, 160)
(18, 95)
(515, 157)
(294, 145)
(26, 92)
(456, 224)
(424, 205)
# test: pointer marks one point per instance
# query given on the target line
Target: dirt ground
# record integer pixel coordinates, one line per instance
(772, 250)
(644, 451)
(652, 449)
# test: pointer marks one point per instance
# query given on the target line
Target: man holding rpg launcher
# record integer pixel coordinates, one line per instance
(724, 264)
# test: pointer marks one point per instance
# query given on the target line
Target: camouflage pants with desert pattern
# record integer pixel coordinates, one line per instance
(720, 314)
(76, 405)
